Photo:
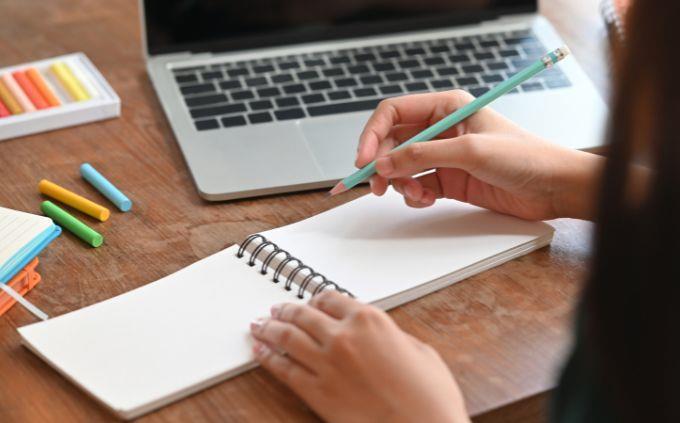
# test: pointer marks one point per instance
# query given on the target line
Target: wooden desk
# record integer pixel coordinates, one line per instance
(503, 333)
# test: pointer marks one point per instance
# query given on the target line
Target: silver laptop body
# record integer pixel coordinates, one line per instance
(285, 113)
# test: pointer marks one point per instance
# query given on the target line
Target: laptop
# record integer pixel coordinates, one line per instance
(270, 96)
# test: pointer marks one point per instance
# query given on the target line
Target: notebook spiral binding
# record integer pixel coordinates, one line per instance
(287, 259)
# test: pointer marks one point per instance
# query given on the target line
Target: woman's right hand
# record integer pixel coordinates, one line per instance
(486, 160)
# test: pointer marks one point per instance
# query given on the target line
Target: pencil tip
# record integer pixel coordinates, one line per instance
(339, 188)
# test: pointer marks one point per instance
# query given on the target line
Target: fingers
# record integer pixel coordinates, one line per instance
(286, 337)
(464, 152)
(311, 320)
(412, 109)
(335, 304)
(283, 368)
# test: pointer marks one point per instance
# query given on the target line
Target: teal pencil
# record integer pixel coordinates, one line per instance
(546, 62)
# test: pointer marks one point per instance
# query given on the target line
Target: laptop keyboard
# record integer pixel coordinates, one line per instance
(282, 88)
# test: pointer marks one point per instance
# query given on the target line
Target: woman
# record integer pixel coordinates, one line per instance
(350, 362)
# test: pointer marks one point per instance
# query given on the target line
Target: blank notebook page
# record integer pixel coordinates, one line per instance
(161, 342)
(17, 229)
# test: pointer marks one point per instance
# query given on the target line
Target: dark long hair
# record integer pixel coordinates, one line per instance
(631, 319)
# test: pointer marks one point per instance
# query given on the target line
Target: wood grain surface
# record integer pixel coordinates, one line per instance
(503, 333)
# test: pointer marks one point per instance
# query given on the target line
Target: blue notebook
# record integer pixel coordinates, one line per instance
(22, 237)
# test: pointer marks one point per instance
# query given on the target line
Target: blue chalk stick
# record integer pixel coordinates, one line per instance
(105, 187)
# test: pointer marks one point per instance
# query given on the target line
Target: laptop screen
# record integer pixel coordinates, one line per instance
(226, 25)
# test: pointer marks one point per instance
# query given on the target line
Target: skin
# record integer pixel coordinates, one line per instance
(349, 361)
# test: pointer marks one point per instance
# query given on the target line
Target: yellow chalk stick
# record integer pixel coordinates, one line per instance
(74, 200)
(69, 81)
(8, 99)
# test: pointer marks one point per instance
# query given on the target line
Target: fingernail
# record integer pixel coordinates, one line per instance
(260, 349)
(384, 166)
(276, 310)
(257, 324)
(410, 192)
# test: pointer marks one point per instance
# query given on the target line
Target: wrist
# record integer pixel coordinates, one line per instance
(576, 185)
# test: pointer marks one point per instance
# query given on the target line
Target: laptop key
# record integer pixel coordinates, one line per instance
(478, 91)
(415, 51)
(434, 61)
(447, 71)
(440, 49)
(207, 76)
(217, 110)
(459, 58)
(464, 46)
(313, 98)
(310, 63)
(396, 76)
(281, 78)
(287, 114)
(510, 52)
(261, 105)
(230, 84)
(237, 72)
(205, 100)
(333, 72)
(263, 68)
(287, 101)
(345, 107)
(384, 67)
(339, 95)
(294, 89)
(489, 43)
(497, 66)
(441, 84)
(365, 92)
(407, 64)
(320, 85)
(467, 81)
(468, 69)
(182, 79)
(268, 92)
(289, 65)
(340, 60)
(365, 57)
(422, 74)
(263, 117)
(389, 54)
(390, 89)
(257, 81)
(484, 56)
(189, 69)
(358, 69)
(204, 125)
(231, 121)
(305, 75)
(416, 86)
(242, 95)
(489, 79)
(345, 82)
(371, 79)
(198, 88)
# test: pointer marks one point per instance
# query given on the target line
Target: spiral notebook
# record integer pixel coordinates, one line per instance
(173, 337)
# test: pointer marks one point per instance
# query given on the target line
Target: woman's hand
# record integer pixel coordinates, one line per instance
(350, 362)
(486, 160)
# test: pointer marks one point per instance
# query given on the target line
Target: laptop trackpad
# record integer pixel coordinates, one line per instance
(333, 141)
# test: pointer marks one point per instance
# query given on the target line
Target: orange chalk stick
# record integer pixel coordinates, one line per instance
(3, 110)
(8, 99)
(17, 92)
(30, 90)
(42, 86)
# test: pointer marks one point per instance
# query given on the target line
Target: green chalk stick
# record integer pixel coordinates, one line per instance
(74, 225)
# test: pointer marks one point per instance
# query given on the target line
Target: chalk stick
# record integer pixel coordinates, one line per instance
(8, 99)
(74, 200)
(30, 90)
(17, 93)
(72, 224)
(103, 185)
(69, 81)
(43, 86)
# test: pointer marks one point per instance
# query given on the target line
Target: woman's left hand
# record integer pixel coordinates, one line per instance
(350, 362)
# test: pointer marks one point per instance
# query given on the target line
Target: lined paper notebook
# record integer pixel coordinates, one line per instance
(161, 342)
(22, 237)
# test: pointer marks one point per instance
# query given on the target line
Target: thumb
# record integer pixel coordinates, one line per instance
(461, 153)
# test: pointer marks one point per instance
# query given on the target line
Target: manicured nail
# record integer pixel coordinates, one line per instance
(410, 192)
(276, 310)
(256, 325)
(384, 166)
